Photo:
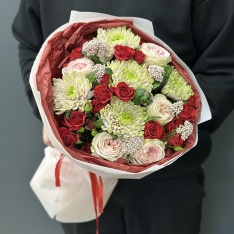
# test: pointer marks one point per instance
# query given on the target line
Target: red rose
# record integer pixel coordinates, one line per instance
(188, 113)
(123, 91)
(90, 124)
(86, 148)
(175, 140)
(163, 135)
(105, 79)
(68, 137)
(76, 120)
(60, 120)
(83, 41)
(97, 106)
(102, 93)
(153, 130)
(176, 122)
(139, 56)
(192, 101)
(123, 52)
(76, 54)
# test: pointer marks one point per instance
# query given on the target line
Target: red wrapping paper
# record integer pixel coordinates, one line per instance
(57, 52)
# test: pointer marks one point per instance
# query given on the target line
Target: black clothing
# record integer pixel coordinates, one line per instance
(160, 206)
(200, 32)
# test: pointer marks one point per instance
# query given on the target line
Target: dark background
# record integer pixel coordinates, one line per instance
(22, 151)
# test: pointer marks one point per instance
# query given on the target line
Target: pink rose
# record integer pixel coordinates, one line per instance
(83, 65)
(151, 151)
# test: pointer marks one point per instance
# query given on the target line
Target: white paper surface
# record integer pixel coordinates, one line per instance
(73, 201)
(100, 170)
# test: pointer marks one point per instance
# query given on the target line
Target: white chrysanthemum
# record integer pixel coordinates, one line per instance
(185, 130)
(123, 119)
(118, 36)
(71, 92)
(133, 74)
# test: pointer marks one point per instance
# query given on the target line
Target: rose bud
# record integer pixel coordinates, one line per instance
(123, 52)
(88, 107)
(86, 148)
(192, 101)
(102, 93)
(69, 138)
(94, 133)
(97, 106)
(123, 91)
(105, 79)
(89, 125)
(76, 120)
(139, 56)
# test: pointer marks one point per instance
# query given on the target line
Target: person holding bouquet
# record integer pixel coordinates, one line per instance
(167, 201)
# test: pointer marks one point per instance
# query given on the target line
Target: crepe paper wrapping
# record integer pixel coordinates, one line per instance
(55, 54)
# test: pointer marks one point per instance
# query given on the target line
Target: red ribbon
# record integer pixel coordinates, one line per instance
(97, 189)
(57, 170)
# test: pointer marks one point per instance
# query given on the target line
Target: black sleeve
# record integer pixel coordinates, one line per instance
(213, 34)
(27, 30)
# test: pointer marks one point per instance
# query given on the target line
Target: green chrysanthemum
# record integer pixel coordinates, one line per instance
(133, 74)
(123, 119)
(71, 92)
(118, 36)
(177, 88)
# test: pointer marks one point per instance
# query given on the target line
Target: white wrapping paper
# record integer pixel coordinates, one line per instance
(72, 202)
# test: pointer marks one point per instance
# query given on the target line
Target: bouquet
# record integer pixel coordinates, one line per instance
(115, 99)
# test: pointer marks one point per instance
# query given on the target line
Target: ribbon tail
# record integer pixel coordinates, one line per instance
(57, 170)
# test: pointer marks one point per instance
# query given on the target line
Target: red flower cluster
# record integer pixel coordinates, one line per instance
(86, 148)
(102, 93)
(188, 113)
(105, 79)
(139, 56)
(76, 120)
(76, 54)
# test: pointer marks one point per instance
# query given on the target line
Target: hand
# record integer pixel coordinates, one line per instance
(46, 139)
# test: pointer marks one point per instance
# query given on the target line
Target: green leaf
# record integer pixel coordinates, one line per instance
(114, 137)
(143, 99)
(109, 71)
(96, 59)
(98, 123)
(156, 84)
(68, 114)
(151, 118)
(166, 76)
(176, 148)
(84, 53)
(91, 77)
(138, 94)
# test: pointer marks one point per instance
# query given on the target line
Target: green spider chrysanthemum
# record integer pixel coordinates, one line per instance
(123, 119)
(118, 36)
(177, 88)
(133, 74)
(71, 92)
